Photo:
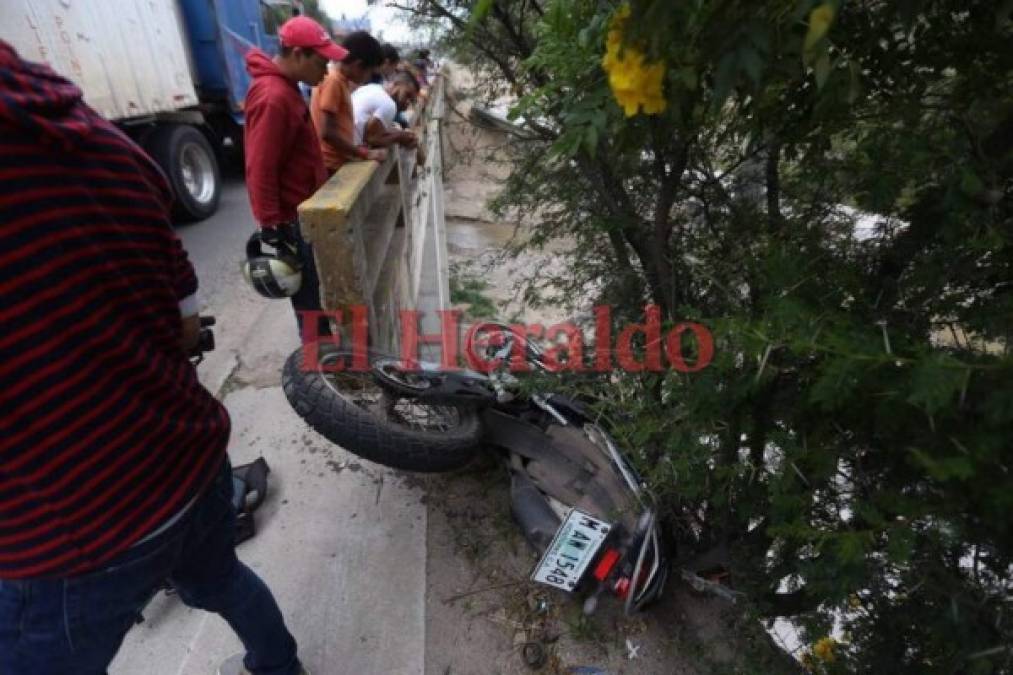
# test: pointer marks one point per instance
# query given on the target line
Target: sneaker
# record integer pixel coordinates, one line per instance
(234, 666)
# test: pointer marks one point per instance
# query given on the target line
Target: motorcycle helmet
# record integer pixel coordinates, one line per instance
(273, 275)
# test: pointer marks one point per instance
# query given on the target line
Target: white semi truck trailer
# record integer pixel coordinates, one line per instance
(169, 72)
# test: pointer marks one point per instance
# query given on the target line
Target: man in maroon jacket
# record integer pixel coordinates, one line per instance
(283, 161)
(113, 473)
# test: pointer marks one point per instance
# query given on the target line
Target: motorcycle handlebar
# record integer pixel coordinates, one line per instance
(205, 339)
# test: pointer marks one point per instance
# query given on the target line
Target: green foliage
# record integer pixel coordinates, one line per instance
(312, 9)
(470, 290)
(274, 16)
(850, 443)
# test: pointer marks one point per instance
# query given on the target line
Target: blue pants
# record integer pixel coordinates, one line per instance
(76, 625)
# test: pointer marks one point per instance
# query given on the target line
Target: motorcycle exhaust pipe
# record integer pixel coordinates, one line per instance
(532, 511)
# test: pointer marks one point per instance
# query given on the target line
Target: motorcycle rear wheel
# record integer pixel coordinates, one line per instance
(350, 409)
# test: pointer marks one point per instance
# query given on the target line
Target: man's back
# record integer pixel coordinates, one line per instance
(105, 431)
(371, 101)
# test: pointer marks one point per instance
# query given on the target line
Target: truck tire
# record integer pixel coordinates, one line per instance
(189, 163)
(341, 408)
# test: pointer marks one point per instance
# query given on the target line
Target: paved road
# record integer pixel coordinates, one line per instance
(341, 541)
(216, 247)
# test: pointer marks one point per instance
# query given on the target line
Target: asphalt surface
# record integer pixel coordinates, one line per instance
(340, 541)
(216, 247)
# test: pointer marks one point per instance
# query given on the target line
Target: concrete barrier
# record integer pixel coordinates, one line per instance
(379, 236)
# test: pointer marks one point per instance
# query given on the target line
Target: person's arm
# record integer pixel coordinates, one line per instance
(329, 134)
(180, 271)
(185, 284)
(379, 110)
(265, 141)
(378, 135)
(330, 95)
(191, 331)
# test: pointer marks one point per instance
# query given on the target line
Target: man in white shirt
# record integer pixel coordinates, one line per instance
(374, 108)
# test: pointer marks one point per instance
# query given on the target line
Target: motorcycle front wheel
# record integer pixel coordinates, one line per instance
(349, 408)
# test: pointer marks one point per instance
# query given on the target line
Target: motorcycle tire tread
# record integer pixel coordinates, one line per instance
(362, 433)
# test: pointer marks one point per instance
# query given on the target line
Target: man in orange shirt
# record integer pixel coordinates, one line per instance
(331, 106)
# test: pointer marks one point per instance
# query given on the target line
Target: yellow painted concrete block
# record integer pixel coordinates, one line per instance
(329, 206)
(324, 222)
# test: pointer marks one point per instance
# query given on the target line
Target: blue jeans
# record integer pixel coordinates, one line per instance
(76, 625)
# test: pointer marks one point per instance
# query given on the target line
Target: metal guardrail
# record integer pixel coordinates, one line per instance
(379, 236)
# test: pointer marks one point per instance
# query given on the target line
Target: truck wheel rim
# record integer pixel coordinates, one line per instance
(198, 173)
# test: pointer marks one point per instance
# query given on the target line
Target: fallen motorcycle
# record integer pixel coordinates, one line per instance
(578, 500)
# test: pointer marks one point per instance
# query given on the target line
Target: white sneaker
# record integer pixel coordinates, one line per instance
(234, 666)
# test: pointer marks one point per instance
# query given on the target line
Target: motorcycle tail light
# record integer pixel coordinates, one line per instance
(606, 564)
(622, 587)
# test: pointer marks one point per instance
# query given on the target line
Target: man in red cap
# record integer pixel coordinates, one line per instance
(284, 165)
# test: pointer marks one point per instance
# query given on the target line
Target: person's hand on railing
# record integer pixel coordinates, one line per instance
(408, 139)
(377, 154)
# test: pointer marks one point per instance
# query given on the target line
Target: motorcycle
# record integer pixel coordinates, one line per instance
(576, 497)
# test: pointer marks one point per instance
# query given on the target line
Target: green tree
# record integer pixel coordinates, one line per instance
(828, 187)
(311, 8)
(275, 15)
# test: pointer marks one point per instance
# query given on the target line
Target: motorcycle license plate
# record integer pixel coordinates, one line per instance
(572, 549)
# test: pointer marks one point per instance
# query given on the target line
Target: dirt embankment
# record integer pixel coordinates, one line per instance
(483, 615)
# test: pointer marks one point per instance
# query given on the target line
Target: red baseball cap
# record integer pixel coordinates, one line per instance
(302, 31)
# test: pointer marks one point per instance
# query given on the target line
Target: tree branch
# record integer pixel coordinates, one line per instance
(773, 179)
(789, 604)
(522, 45)
(669, 180)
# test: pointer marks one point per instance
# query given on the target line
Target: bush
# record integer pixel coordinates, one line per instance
(826, 185)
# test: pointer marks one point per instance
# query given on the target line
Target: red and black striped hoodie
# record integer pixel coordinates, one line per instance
(105, 431)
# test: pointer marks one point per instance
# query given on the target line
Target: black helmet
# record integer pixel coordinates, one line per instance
(273, 275)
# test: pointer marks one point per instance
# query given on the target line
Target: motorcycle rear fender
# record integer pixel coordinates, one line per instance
(558, 464)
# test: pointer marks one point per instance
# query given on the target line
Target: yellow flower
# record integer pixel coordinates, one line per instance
(636, 83)
(819, 23)
(824, 649)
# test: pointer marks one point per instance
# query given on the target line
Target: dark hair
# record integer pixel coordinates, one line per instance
(364, 48)
(390, 53)
(404, 77)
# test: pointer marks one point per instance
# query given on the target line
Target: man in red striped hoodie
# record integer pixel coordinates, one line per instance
(113, 472)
